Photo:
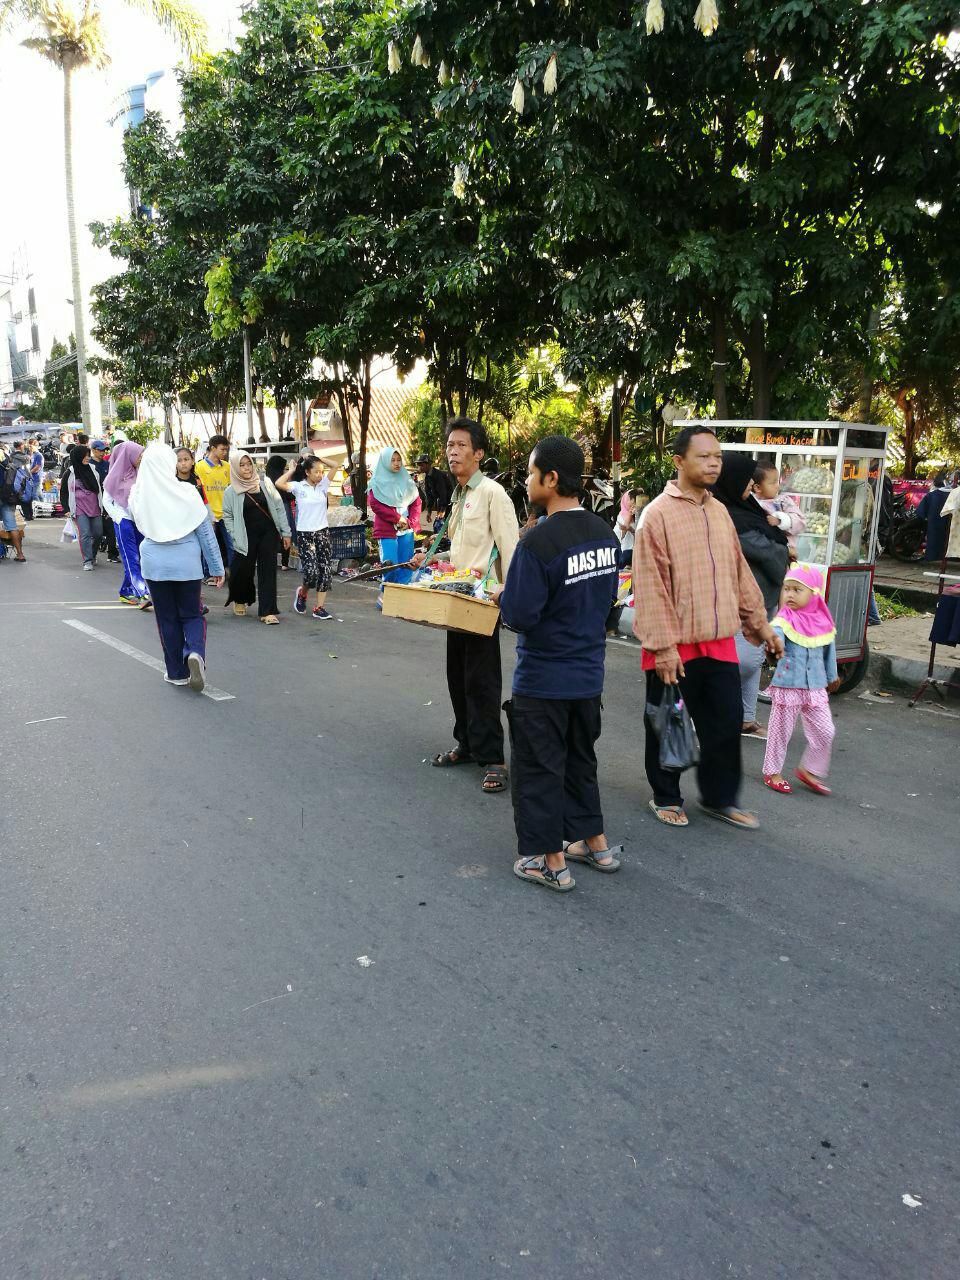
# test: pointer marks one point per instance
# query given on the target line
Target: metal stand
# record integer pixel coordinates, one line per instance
(930, 681)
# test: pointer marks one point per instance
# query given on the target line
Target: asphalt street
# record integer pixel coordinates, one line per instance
(274, 1007)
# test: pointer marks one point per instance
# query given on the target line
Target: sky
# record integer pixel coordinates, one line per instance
(32, 206)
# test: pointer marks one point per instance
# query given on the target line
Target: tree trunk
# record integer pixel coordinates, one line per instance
(89, 387)
(865, 407)
(721, 355)
(262, 416)
(911, 432)
(281, 419)
(759, 368)
(366, 396)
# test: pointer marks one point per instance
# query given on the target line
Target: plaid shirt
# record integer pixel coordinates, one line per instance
(691, 581)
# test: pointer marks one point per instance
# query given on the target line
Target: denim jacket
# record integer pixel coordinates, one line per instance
(803, 668)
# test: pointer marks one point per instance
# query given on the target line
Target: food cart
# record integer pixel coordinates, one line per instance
(834, 472)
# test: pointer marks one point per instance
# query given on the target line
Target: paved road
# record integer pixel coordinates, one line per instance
(732, 1060)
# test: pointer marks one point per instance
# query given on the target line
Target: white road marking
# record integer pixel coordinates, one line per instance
(217, 695)
(45, 720)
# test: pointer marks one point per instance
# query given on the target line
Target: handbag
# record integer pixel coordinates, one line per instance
(670, 721)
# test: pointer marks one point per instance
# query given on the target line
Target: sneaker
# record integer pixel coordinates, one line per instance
(300, 600)
(763, 696)
(88, 566)
(323, 615)
(167, 680)
(198, 672)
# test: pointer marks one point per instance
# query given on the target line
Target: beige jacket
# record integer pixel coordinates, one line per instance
(482, 515)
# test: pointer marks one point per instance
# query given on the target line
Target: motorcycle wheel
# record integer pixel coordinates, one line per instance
(907, 542)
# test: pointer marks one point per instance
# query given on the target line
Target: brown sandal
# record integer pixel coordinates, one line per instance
(496, 776)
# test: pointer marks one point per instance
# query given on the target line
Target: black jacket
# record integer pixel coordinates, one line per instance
(768, 561)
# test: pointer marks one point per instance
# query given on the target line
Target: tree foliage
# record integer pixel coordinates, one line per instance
(59, 398)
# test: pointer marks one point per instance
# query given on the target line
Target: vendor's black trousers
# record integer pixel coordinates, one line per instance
(553, 770)
(475, 681)
(711, 690)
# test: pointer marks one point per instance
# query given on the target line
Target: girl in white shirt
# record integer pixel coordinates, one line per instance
(313, 539)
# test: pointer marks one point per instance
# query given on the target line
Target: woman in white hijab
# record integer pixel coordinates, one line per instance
(177, 539)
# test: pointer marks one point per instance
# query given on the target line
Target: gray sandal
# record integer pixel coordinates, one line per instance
(590, 859)
(657, 809)
(726, 815)
(537, 872)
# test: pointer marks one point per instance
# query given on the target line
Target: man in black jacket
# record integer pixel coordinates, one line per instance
(436, 487)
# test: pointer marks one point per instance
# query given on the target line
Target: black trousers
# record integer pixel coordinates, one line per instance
(475, 681)
(109, 539)
(260, 560)
(553, 771)
(711, 690)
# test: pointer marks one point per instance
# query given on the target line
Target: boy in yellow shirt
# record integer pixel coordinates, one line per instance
(213, 472)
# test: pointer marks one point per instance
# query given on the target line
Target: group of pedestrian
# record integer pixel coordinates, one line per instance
(20, 480)
(713, 583)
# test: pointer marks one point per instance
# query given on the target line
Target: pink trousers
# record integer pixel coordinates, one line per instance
(813, 707)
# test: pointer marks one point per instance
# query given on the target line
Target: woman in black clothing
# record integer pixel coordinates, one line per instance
(276, 466)
(765, 548)
(255, 520)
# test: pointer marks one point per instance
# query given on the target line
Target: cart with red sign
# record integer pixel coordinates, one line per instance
(834, 472)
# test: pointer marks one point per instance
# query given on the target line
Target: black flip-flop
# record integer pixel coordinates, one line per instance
(450, 759)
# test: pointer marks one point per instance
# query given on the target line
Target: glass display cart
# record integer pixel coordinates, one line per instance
(834, 472)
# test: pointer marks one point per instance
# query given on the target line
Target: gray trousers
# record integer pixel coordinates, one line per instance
(750, 656)
(90, 529)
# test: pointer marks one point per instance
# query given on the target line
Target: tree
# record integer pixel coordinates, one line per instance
(59, 400)
(73, 40)
(720, 212)
(150, 318)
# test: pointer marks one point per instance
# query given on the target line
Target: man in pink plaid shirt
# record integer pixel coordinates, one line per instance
(694, 591)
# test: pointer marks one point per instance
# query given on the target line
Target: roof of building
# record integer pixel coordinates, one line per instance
(385, 427)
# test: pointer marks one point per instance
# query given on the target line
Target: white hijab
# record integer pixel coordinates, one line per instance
(164, 509)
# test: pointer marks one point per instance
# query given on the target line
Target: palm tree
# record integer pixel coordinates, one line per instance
(74, 39)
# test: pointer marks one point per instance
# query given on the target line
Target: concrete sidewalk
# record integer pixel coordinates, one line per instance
(900, 655)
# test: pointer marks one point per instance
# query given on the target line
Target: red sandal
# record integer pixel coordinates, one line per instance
(813, 783)
(784, 788)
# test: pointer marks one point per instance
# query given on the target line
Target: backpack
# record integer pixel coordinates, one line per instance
(18, 486)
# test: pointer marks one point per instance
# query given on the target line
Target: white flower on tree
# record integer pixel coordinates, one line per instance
(654, 17)
(550, 76)
(706, 19)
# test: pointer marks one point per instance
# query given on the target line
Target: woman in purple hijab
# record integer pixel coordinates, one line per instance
(124, 460)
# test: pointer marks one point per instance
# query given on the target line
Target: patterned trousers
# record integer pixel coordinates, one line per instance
(813, 707)
(314, 549)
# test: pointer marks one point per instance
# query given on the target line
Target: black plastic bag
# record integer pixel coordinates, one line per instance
(670, 721)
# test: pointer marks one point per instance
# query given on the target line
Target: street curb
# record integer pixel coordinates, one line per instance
(909, 673)
(925, 601)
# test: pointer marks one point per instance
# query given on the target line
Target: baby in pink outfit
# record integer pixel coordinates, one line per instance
(781, 509)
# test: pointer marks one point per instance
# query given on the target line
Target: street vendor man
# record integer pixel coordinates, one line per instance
(482, 518)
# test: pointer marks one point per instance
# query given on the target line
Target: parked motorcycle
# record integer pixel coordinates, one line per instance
(905, 537)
